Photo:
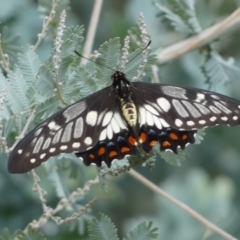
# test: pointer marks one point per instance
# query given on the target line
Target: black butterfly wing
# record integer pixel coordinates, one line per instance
(76, 128)
(184, 108)
(171, 115)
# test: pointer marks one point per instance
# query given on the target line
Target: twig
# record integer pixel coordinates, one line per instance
(4, 57)
(92, 29)
(49, 213)
(181, 205)
(229, 24)
(46, 22)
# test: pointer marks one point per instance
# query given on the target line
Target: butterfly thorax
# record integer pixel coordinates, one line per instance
(123, 92)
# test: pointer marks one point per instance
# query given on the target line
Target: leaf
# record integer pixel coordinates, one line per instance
(102, 229)
(29, 64)
(8, 44)
(181, 14)
(32, 234)
(217, 70)
(144, 231)
(109, 56)
(172, 158)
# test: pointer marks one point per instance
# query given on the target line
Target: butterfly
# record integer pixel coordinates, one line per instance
(113, 122)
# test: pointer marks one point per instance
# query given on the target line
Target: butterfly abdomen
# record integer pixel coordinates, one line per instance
(129, 112)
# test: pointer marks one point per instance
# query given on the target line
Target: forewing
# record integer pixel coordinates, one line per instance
(76, 128)
(183, 108)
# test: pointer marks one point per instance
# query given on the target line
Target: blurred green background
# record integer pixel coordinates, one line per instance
(208, 181)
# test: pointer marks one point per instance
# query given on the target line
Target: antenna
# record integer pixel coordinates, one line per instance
(108, 66)
(94, 61)
(137, 55)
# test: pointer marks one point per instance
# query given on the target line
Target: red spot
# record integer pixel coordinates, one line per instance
(91, 156)
(173, 136)
(152, 143)
(132, 140)
(125, 149)
(101, 151)
(142, 137)
(184, 137)
(112, 154)
(166, 144)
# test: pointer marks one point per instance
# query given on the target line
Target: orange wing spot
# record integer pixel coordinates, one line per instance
(101, 151)
(112, 154)
(142, 138)
(184, 137)
(152, 143)
(173, 136)
(92, 156)
(166, 144)
(132, 140)
(125, 149)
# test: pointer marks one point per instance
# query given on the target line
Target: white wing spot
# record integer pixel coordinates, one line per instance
(91, 118)
(103, 135)
(202, 109)
(157, 122)
(53, 126)
(202, 121)
(151, 109)
(119, 120)
(193, 111)
(214, 109)
(163, 122)
(190, 123)
(57, 137)
(46, 143)
(75, 110)
(38, 145)
(42, 155)
(178, 122)
(88, 141)
(109, 132)
(32, 160)
(200, 97)
(224, 118)
(76, 145)
(37, 132)
(51, 150)
(222, 107)
(107, 118)
(176, 92)
(149, 118)
(179, 108)
(19, 151)
(164, 104)
(115, 126)
(215, 96)
(63, 147)
(142, 116)
(235, 118)
(78, 129)
(67, 133)
(212, 119)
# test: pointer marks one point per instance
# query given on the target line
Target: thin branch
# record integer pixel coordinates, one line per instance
(47, 20)
(92, 29)
(231, 23)
(49, 213)
(181, 205)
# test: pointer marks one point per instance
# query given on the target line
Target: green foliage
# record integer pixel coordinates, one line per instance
(102, 229)
(181, 14)
(144, 231)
